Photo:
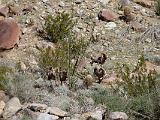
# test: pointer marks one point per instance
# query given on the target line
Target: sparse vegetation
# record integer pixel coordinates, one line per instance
(68, 47)
(20, 86)
(158, 7)
(3, 71)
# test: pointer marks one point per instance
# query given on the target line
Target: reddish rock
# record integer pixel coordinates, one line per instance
(4, 10)
(136, 26)
(107, 15)
(9, 33)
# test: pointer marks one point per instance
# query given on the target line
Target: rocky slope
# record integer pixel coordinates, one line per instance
(122, 29)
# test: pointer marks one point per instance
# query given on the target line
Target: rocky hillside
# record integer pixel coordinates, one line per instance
(51, 69)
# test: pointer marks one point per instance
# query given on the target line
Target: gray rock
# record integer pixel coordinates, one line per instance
(110, 25)
(78, 1)
(12, 106)
(37, 107)
(118, 116)
(124, 2)
(56, 111)
(45, 116)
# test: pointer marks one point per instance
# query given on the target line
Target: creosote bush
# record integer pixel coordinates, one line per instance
(58, 28)
(68, 46)
(140, 87)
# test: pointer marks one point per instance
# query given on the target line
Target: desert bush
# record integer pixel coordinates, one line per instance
(158, 7)
(58, 28)
(135, 82)
(140, 87)
(68, 46)
(20, 85)
(112, 101)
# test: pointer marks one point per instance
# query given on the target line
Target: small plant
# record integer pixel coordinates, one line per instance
(158, 7)
(58, 28)
(3, 71)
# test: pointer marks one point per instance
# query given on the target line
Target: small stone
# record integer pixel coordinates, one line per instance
(22, 66)
(56, 111)
(4, 10)
(124, 2)
(45, 1)
(136, 26)
(61, 4)
(78, 1)
(45, 116)
(104, 2)
(148, 40)
(107, 15)
(110, 25)
(118, 116)
(12, 106)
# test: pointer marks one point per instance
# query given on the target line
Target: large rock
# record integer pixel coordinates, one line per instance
(118, 116)
(2, 105)
(97, 115)
(37, 107)
(56, 111)
(45, 116)
(9, 33)
(107, 15)
(12, 106)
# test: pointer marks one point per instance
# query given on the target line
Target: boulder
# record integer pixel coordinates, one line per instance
(9, 33)
(37, 107)
(107, 15)
(56, 111)
(12, 106)
(45, 116)
(118, 116)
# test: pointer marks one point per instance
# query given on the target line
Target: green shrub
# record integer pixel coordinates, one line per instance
(68, 46)
(158, 7)
(135, 82)
(58, 28)
(141, 89)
